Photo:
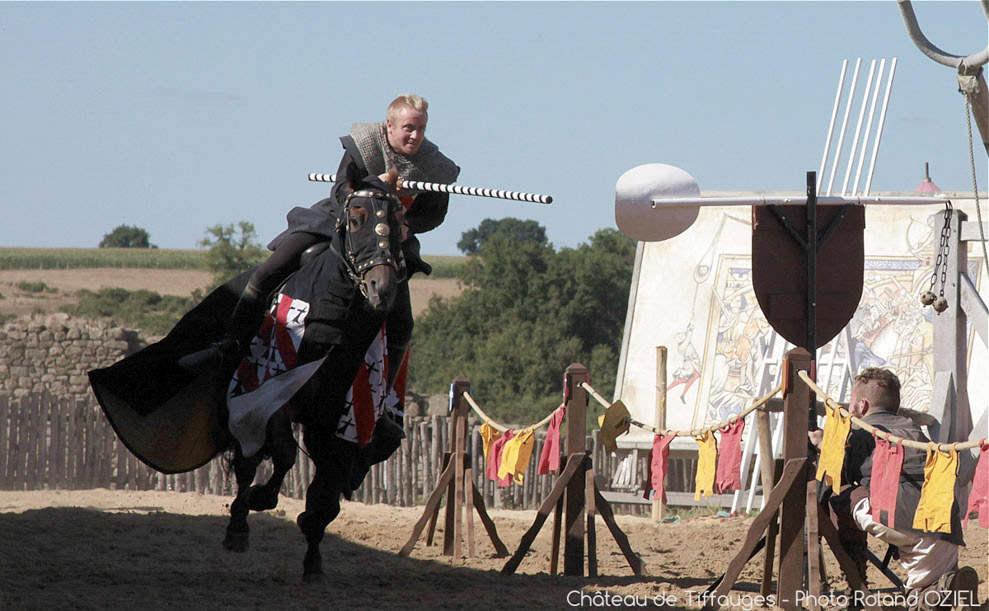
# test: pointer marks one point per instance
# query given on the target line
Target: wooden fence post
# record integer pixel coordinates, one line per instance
(573, 546)
(658, 509)
(576, 492)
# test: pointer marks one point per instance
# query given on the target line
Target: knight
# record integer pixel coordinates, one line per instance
(378, 155)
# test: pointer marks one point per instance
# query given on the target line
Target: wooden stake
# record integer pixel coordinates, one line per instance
(658, 509)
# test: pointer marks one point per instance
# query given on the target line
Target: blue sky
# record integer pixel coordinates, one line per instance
(178, 116)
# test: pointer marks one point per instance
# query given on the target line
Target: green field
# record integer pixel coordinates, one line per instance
(78, 258)
(444, 266)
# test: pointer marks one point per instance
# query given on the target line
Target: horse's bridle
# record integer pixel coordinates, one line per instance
(383, 254)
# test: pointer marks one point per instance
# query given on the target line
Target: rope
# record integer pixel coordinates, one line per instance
(907, 443)
(692, 433)
(501, 427)
(975, 183)
(595, 394)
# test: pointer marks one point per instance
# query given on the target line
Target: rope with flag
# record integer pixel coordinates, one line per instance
(908, 443)
(501, 427)
(759, 403)
(436, 187)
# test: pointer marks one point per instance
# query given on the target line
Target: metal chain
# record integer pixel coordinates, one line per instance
(975, 182)
(945, 246)
(941, 263)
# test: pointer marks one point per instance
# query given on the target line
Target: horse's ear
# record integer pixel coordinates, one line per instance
(353, 175)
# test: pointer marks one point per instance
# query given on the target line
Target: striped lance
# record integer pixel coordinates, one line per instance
(435, 187)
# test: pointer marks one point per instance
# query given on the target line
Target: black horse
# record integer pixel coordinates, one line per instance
(175, 421)
(369, 258)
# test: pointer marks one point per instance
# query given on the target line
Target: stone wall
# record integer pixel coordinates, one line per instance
(54, 352)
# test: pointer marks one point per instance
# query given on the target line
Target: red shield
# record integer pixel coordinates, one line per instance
(779, 270)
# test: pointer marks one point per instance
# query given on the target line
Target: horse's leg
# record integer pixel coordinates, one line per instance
(281, 446)
(322, 496)
(245, 467)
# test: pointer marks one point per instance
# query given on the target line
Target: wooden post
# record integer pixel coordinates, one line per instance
(766, 462)
(455, 490)
(573, 547)
(578, 495)
(768, 483)
(658, 509)
(455, 478)
(951, 334)
(793, 510)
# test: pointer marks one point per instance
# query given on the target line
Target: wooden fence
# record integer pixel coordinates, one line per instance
(49, 442)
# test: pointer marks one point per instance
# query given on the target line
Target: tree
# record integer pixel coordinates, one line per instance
(526, 312)
(232, 250)
(125, 236)
(515, 230)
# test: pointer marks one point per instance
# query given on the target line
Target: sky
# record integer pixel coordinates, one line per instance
(178, 116)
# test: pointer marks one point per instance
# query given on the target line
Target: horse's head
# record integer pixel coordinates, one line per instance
(373, 244)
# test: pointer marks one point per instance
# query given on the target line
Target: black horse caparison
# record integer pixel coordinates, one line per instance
(367, 251)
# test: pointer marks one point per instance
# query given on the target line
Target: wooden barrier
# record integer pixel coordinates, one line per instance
(62, 459)
(576, 491)
(457, 482)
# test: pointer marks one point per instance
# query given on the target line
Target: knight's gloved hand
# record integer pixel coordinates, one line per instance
(417, 265)
(390, 178)
(413, 262)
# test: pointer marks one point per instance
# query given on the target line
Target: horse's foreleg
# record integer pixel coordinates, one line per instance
(322, 507)
(281, 446)
(330, 458)
(236, 539)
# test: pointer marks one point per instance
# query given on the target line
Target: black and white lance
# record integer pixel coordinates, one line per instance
(435, 187)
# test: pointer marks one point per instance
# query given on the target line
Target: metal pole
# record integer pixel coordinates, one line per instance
(812, 281)
(868, 126)
(834, 115)
(858, 128)
(844, 123)
(879, 130)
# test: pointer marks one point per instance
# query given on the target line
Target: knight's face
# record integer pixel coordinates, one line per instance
(858, 405)
(406, 130)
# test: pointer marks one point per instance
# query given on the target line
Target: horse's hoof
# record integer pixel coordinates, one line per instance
(314, 577)
(260, 499)
(236, 541)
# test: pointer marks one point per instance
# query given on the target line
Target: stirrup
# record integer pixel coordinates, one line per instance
(212, 357)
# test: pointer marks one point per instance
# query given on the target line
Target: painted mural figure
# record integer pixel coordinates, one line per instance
(690, 369)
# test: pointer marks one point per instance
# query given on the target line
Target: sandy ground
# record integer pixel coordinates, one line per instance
(154, 550)
(164, 281)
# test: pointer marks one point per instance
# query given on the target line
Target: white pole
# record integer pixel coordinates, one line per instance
(868, 126)
(834, 115)
(435, 187)
(844, 124)
(879, 130)
(858, 128)
(765, 200)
